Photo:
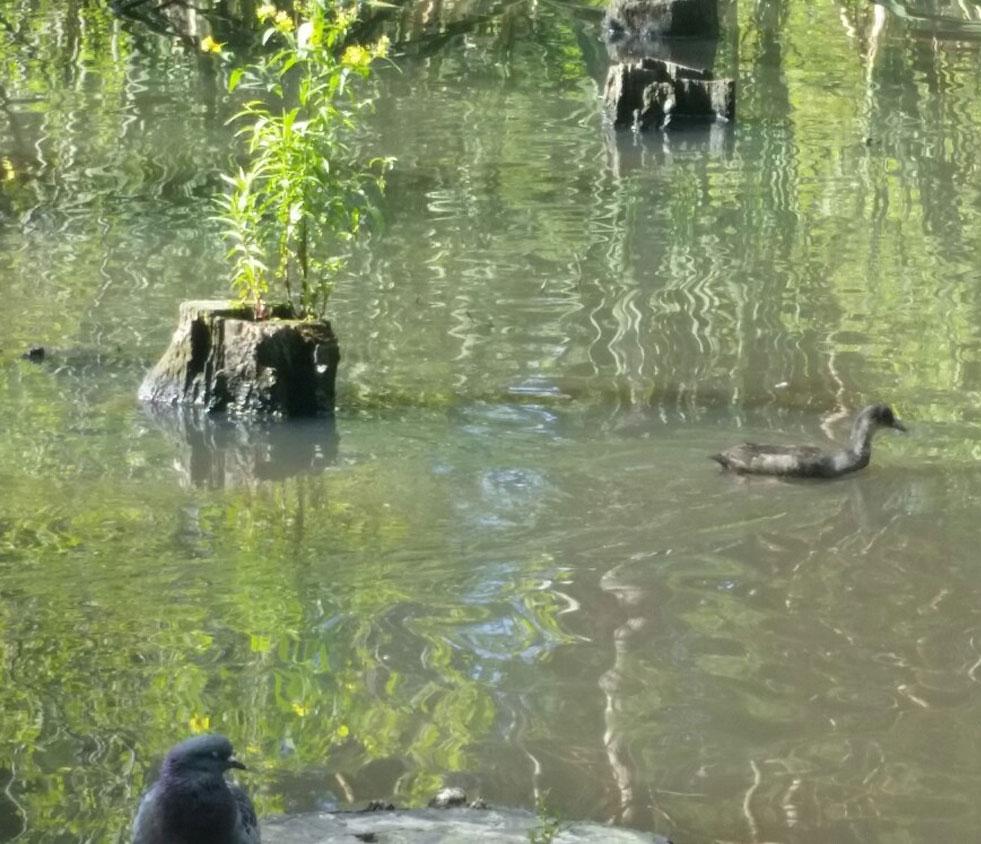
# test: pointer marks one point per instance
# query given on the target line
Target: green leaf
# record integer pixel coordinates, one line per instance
(234, 78)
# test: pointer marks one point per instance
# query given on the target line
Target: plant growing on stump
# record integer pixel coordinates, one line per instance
(292, 213)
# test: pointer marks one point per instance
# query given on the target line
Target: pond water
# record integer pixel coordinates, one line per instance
(509, 565)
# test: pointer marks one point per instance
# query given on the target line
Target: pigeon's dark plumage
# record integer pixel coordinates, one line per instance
(193, 803)
(804, 461)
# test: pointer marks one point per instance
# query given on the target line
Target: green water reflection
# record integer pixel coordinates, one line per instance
(510, 565)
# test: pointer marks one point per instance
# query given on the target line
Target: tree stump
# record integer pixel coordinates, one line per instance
(646, 19)
(649, 94)
(224, 360)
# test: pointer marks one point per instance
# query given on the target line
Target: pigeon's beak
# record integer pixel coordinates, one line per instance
(234, 763)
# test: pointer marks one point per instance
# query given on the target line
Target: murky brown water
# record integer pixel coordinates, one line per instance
(510, 565)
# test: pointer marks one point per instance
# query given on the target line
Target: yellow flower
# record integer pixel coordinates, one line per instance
(209, 45)
(266, 10)
(343, 731)
(300, 709)
(356, 56)
(200, 723)
(346, 17)
(283, 22)
(7, 171)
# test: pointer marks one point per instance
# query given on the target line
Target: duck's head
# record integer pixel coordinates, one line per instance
(881, 415)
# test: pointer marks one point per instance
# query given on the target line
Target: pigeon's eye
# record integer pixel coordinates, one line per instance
(214, 754)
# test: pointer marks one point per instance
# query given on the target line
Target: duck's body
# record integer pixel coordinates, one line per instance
(808, 462)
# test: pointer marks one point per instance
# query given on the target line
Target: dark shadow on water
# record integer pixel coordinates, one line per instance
(222, 453)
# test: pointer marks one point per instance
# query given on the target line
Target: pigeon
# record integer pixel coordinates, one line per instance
(193, 803)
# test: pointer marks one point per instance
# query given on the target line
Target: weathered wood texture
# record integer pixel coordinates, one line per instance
(221, 359)
(640, 19)
(650, 94)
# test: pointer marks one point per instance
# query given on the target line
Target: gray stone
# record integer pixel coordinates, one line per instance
(438, 826)
(449, 798)
(222, 359)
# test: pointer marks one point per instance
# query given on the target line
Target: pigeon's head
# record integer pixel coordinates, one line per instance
(207, 754)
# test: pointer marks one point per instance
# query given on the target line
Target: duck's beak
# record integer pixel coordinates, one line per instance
(899, 426)
(234, 763)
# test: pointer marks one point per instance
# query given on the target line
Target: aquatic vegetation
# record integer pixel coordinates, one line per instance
(293, 210)
(548, 827)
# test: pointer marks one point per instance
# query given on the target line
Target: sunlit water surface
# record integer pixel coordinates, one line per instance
(509, 565)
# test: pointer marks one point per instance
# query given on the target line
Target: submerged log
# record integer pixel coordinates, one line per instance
(650, 94)
(222, 359)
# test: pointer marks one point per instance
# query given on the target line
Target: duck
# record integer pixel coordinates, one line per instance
(802, 461)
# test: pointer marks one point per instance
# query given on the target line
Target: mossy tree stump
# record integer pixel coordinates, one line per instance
(650, 93)
(223, 359)
(662, 52)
